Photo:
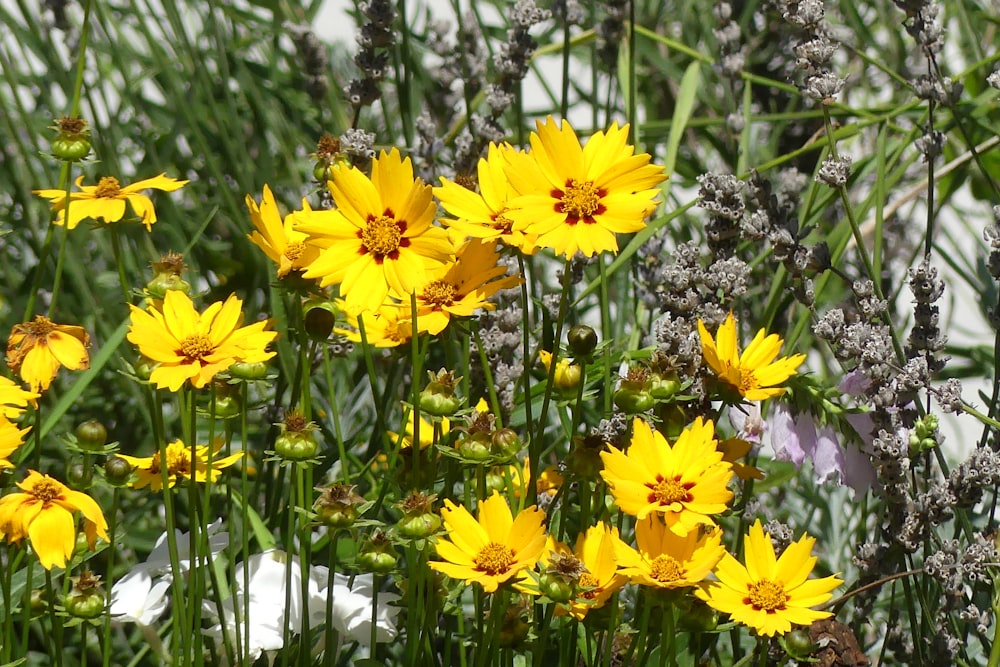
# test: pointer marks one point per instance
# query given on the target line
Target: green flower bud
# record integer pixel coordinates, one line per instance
(474, 447)
(419, 527)
(85, 599)
(72, 143)
(506, 443)
(378, 555)
(297, 440)
(143, 368)
(241, 370)
(557, 587)
(320, 317)
(117, 471)
(664, 387)
(438, 398)
(167, 275)
(91, 435)
(79, 476)
(582, 340)
(797, 643)
(337, 505)
(296, 446)
(38, 604)
(632, 402)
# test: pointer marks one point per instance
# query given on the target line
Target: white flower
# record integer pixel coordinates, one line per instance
(136, 599)
(352, 610)
(159, 558)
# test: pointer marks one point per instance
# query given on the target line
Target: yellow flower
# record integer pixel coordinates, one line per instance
(577, 198)
(493, 549)
(106, 200)
(36, 350)
(770, 594)
(462, 287)
(11, 437)
(483, 214)
(187, 345)
(280, 241)
(380, 238)
(567, 377)
(180, 464)
(665, 559)
(733, 449)
(427, 436)
(754, 373)
(43, 513)
(14, 400)
(389, 326)
(684, 483)
(596, 551)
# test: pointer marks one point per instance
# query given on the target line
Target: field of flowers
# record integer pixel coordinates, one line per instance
(510, 333)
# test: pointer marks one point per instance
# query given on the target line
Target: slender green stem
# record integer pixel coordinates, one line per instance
(56, 630)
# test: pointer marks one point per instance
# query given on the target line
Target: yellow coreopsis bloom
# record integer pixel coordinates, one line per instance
(380, 239)
(483, 214)
(596, 551)
(567, 376)
(576, 198)
(188, 345)
(427, 435)
(14, 400)
(685, 482)
(770, 594)
(43, 512)
(665, 559)
(180, 464)
(106, 200)
(460, 288)
(389, 326)
(11, 437)
(36, 350)
(280, 241)
(494, 549)
(754, 373)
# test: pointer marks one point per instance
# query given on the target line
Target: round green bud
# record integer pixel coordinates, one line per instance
(89, 604)
(798, 643)
(438, 403)
(320, 319)
(506, 442)
(91, 435)
(241, 370)
(117, 471)
(164, 282)
(377, 561)
(632, 401)
(420, 526)
(296, 445)
(79, 476)
(70, 149)
(582, 340)
(557, 587)
(474, 448)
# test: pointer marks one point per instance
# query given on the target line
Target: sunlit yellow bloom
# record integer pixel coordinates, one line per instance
(494, 549)
(733, 449)
(180, 464)
(575, 199)
(461, 287)
(684, 483)
(11, 437)
(14, 400)
(754, 373)
(43, 512)
(389, 326)
(280, 241)
(549, 480)
(106, 200)
(36, 350)
(770, 594)
(483, 214)
(596, 551)
(568, 375)
(427, 435)
(665, 559)
(187, 345)
(380, 238)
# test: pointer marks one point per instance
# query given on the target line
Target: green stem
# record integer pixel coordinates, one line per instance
(56, 634)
